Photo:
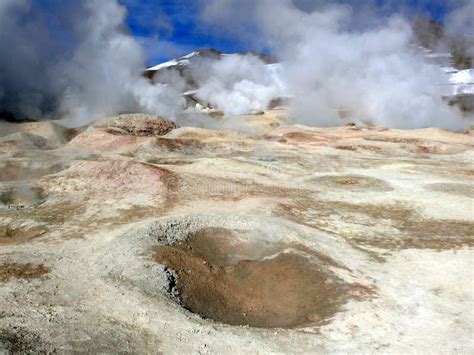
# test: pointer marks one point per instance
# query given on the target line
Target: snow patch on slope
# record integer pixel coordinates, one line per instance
(463, 82)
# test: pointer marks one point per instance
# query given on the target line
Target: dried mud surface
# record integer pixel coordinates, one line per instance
(134, 235)
(283, 288)
(21, 271)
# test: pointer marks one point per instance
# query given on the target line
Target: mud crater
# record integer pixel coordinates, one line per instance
(223, 275)
(352, 182)
(21, 196)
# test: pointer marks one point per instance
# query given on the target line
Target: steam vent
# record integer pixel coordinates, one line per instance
(236, 177)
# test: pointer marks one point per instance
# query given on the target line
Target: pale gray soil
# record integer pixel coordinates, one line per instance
(114, 239)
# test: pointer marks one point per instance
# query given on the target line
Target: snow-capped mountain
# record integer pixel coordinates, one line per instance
(460, 88)
(449, 51)
(209, 53)
(461, 80)
(192, 76)
(185, 60)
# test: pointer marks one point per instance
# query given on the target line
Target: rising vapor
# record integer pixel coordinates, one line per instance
(77, 61)
(334, 68)
(237, 84)
(81, 65)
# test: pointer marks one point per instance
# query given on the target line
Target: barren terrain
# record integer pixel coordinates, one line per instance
(133, 235)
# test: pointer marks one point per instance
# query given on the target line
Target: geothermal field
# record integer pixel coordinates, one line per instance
(307, 188)
(131, 235)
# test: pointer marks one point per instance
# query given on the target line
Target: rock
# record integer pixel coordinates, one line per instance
(137, 125)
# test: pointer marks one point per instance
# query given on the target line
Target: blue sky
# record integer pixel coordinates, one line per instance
(170, 28)
(176, 24)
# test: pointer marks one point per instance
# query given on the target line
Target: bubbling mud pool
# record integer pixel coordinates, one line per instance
(20, 196)
(220, 276)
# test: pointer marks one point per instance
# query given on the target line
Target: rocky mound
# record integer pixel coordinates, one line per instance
(137, 125)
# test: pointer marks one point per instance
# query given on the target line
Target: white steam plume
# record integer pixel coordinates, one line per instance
(332, 66)
(77, 61)
(84, 66)
(237, 84)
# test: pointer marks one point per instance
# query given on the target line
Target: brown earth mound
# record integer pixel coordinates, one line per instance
(286, 288)
(137, 125)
